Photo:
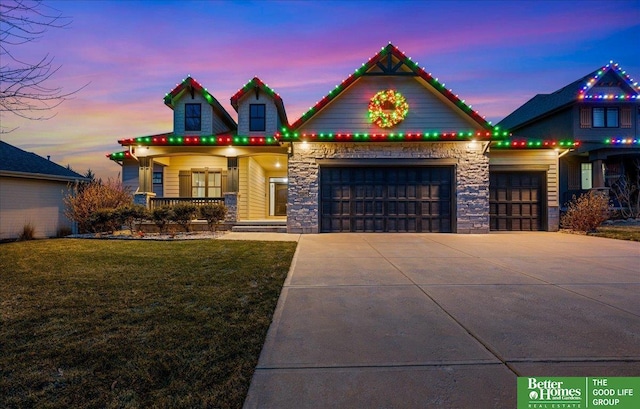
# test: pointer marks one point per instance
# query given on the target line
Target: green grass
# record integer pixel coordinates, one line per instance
(618, 232)
(133, 324)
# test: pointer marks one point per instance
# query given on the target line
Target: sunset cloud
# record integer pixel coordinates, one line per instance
(127, 55)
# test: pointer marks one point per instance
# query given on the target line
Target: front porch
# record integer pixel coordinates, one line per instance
(252, 185)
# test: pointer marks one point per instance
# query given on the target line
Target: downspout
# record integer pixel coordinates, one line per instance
(132, 153)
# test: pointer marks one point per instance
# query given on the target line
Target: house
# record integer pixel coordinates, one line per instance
(390, 149)
(32, 190)
(600, 110)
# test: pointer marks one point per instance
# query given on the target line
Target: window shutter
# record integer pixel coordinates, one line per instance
(224, 181)
(184, 178)
(625, 117)
(585, 118)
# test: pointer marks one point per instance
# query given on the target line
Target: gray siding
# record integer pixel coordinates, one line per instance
(272, 124)
(34, 201)
(556, 126)
(428, 110)
(211, 122)
(130, 175)
(600, 134)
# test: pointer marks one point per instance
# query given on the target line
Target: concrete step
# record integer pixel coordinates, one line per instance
(260, 228)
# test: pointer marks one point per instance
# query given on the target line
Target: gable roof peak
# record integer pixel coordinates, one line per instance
(257, 84)
(188, 83)
(377, 61)
(592, 79)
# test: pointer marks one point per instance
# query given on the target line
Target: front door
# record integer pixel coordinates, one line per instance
(278, 196)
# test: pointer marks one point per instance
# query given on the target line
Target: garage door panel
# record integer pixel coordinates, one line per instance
(389, 199)
(515, 200)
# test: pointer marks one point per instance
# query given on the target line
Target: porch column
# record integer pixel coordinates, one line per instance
(145, 174)
(597, 173)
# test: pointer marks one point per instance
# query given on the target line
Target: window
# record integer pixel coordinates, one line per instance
(586, 176)
(257, 118)
(206, 183)
(605, 117)
(192, 117)
(157, 178)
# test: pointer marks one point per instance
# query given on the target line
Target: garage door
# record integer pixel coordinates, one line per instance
(516, 200)
(386, 199)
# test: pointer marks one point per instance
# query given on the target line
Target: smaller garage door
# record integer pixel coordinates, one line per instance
(386, 199)
(516, 200)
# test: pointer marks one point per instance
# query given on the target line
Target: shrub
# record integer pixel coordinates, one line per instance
(183, 214)
(161, 216)
(130, 215)
(213, 213)
(104, 220)
(586, 212)
(63, 231)
(85, 199)
(28, 232)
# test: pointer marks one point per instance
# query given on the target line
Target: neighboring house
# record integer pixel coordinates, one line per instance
(600, 110)
(32, 189)
(390, 149)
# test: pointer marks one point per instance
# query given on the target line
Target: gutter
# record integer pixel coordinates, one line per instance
(42, 176)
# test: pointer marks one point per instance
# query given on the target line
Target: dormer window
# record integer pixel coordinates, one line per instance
(257, 118)
(192, 117)
(605, 118)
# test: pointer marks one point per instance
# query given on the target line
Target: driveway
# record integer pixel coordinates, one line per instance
(447, 320)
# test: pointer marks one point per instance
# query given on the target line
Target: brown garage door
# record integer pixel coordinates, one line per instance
(516, 200)
(386, 199)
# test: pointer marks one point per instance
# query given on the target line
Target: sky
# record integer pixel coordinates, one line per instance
(126, 55)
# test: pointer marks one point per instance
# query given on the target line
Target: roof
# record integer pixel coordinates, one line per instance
(14, 161)
(378, 60)
(193, 85)
(543, 104)
(257, 83)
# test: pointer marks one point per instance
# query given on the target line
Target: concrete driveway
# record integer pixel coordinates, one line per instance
(444, 320)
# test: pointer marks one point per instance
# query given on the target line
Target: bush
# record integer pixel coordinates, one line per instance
(28, 232)
(586, 212)
(83, 200)
(104, 220)
(161, 216)
(130, 215)
(63, 231)
(183, 214)
(213, 213)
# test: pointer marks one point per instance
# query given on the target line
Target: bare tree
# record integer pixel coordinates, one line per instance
(25, 88)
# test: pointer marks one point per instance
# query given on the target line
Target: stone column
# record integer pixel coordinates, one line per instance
(143, 198)
(231, 202)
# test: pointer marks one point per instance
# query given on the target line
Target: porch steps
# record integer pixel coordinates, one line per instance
(268, 226)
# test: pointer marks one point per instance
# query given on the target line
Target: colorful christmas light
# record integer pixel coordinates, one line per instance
(381, 102)
(414, 66)
(465, 135)
(538, 144)
(212, 140)
(592, 81)
(252, 84)
(622, 141)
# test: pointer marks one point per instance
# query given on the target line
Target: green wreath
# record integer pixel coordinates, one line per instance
(388, 108)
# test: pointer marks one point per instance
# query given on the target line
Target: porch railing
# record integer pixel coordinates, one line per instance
(171, 201)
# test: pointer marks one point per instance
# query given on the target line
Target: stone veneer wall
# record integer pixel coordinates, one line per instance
(471, 178)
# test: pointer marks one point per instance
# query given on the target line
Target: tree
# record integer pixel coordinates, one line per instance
(25, 88)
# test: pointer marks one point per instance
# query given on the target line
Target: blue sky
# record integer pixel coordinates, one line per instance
(495, 54)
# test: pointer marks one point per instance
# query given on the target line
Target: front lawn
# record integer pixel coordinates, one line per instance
(618, 232)
(128, 324)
